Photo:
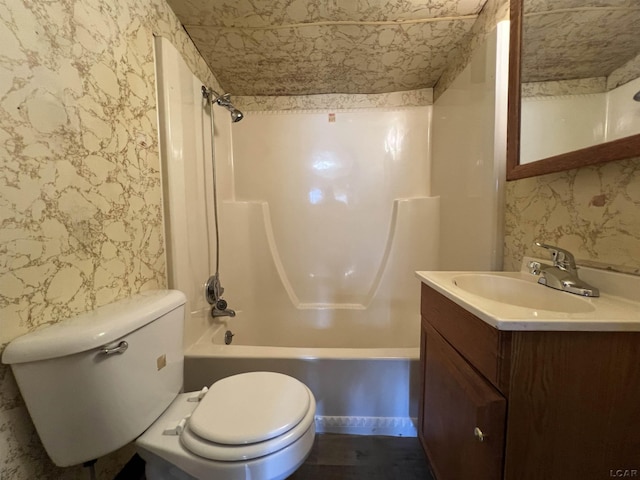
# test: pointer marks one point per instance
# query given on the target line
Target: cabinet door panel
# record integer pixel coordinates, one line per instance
(457, 399)
(478, 342)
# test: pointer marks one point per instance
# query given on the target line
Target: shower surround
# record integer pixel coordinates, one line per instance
(324, 216)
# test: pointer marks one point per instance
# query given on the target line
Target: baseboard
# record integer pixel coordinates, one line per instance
(389, 426)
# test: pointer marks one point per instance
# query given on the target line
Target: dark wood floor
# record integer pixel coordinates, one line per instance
(356, 457)
(346, 457)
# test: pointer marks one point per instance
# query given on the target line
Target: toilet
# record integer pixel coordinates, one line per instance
(98, 381)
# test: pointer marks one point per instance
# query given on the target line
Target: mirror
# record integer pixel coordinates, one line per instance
(574, 73)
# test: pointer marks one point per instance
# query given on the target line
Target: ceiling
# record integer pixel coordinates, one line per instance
(302, 47)
(575, 39)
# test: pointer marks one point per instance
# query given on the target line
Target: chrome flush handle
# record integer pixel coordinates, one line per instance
(120, 348)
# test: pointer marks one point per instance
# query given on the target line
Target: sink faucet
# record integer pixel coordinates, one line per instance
(563, 274)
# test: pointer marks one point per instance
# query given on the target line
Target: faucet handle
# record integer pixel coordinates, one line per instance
(561, 258)
(213, 290)
(534, 268)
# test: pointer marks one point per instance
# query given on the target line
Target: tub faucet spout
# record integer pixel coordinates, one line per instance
(220, 309)
(227, 312)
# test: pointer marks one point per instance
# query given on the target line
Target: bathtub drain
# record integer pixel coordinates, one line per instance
(228, 337)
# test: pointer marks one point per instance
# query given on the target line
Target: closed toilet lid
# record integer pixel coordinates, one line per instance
(248, 416)
(249, 408)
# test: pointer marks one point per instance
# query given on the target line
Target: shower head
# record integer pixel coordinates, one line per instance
(224, 101)
(236, 115)
(636, 97)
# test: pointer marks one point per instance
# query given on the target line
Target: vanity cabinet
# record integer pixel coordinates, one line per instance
(526, 405)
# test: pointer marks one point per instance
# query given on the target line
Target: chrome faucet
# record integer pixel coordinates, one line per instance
(213, 293)
(563, 274)
(220, 310)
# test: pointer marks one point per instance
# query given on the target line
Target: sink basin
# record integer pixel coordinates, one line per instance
(522, 293)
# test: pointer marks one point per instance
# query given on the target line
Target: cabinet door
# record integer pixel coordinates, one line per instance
(457, 401)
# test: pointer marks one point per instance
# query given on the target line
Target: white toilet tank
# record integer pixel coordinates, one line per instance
(88, 392)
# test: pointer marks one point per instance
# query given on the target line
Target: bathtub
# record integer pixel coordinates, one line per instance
(321, 230)
(367, 390)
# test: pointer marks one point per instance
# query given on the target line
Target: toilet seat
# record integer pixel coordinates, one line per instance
(167, 456)
(249, 416)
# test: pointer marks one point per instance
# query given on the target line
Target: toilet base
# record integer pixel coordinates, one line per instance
(159, 469)
(167, 459)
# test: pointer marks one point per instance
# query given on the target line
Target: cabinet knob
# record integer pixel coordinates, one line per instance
(478, 434)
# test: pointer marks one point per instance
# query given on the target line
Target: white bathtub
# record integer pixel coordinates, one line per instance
(322, 225)
(359, 390)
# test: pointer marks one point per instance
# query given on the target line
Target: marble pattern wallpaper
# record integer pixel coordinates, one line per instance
(554, 88)
(627, 72)
(270, 13)
(493, 12)
(569, 39)
(591, 211)
(80, 200)
(534, 6)
(300, 47)
(579, 86)
(409, 98)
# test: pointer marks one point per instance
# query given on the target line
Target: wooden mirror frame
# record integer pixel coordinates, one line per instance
(623, 148)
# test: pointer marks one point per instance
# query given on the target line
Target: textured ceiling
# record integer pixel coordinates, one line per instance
(572, 39)
(297, 47)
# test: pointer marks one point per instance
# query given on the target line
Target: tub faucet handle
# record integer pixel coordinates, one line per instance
(213, 290)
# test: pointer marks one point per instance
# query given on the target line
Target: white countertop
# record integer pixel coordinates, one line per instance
(615, 310)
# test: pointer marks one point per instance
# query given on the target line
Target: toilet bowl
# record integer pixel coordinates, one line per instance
(114, 375)
(268, 435)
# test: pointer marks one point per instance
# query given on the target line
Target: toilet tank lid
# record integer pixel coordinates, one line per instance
(94, 328)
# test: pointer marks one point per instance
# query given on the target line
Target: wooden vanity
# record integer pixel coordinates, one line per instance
(526, 405)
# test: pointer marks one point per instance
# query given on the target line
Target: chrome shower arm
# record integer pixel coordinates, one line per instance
(210, 94)
(223, 100)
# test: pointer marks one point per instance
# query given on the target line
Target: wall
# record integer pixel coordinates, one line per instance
(338, 206)
(591, 211)
(80, 201)
(623, 113)
(187, 174)
(569, 120)
(469, 152)
(408, 98)
(493, 12)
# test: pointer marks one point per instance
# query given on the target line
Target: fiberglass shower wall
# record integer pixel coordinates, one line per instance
(330, 216)
(326, 215)
(469, 158)
(560, 123)
(186, 155)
